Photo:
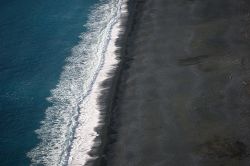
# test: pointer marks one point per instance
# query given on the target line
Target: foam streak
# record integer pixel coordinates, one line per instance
(67, 133)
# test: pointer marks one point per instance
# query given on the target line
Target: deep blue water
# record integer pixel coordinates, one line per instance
(35, 38)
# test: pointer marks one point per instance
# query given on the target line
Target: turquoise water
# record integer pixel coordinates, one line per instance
(35, 39)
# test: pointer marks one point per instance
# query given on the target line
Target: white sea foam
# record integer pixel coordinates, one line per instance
(67, 133)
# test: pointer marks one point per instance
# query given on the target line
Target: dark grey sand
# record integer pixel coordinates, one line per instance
(183, 95)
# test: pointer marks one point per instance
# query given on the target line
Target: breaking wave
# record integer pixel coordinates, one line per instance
(57, 129)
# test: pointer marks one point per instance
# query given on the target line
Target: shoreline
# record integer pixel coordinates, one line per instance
(108, 130)
(79, 152)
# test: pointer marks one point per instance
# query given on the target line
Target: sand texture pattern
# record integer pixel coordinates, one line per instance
(183, 96)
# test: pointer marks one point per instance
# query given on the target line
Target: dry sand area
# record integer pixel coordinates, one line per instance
(183, 97)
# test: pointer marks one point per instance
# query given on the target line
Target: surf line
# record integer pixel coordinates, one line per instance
(67, 133)
(84, 134)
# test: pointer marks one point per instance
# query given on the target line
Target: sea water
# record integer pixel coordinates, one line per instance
(50, 54)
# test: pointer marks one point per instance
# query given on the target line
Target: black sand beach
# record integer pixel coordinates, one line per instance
(181, 96)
